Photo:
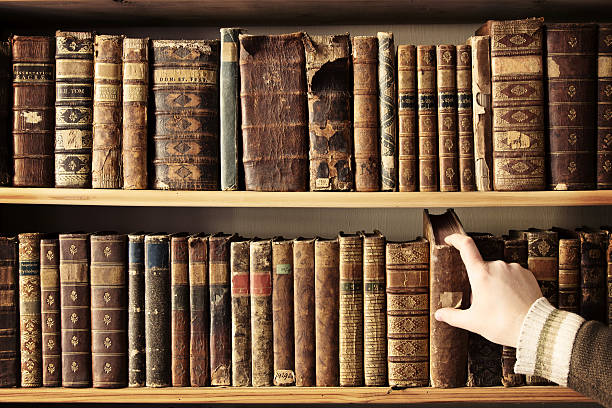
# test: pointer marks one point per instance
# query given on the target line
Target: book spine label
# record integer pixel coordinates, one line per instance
(50, 312)
(464, 118)
(593, 275)
(180, 320)
(73, 108)
(33, 111)
(427, 120)
(569, 275)
(9, 313)
(604, 107)
(199, 292)
(304, 311)
(135, 104)
(448, 154)
(387, 111)
(406, 112)
(6, 160)
(220, 310)
(136, 309)
(282, 312)
(260, 281)
(241, 315)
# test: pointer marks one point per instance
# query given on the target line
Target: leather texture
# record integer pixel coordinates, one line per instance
(241, 314)
(304, 311)
(569, 270)
(6, 143)
(199, 292)
(427, 119)
(282, 312)
(406, 117)
(448, 152)
(180, 319)
(604, 107)
(465, 130)
(593, 273)
(50, 309)
(387, 111)
(9, 312)
(260, 280)
(136, 309)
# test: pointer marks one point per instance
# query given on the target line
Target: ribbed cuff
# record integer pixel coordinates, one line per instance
(545, 342)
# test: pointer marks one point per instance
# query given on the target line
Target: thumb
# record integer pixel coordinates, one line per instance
(455, 317)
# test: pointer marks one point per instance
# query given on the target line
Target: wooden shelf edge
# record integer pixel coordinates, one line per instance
(291, 395)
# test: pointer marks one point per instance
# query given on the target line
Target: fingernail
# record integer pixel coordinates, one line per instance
(438, 315)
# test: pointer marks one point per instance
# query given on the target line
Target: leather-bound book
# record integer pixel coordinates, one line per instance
(518, 103)
(282, 311)
(33, 120)
(241, 313)
(304, 311)
(351, 309)
(157, 310)
(180, 321)
(608, 230)
(427, 118)
(571, 72)
(9, 312)
(365, 113)
(136, 311)
(446, 82)
(387, 111)
(274, 112)
(482, 119)
(327, 295)
(569, 270)
(593, 274)
(220, 308)
(328, 75)
(465, 130)
(109, 310)
(185, 88)
(448, 287)
(50, 312)
(199, 306)
(29, 309)
(484, 356)
(229, 110)
(604, 107)
(135, 105)
(6, 162)
(407, 268)
(260, 281)
(75, 310)
(374, 310)
(73, 108)
(407, 118)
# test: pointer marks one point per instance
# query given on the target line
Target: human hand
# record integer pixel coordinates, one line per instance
(501, 295)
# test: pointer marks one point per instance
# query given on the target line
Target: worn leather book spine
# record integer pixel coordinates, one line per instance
(29, 309)
(73, 108)
(569, 274)
(482, 119)
(278, 118)
(229, 110)
(609, 275)
(260, 280)
(593, 300)
(33, 100)
(446, 82)
(180, 319)
(327, 295)
(9, 312)
(50, 312)
(604, 107)
(387, 111)
(304, 311)
(484, 356)
(220, 309)
(135, 105)
(6, 162)
(75, 310)
(365, 113)
(374, 310)
(571, 72)
(407, 272)
(518, 103)
(465, 130)
(406, 113)
(282, 311)
(186, 108)
(241, 314)
(136, 311)
(328, 75)
(427, 118)
(448, 287)
(157, 310)
(109, 310)
(199, 305)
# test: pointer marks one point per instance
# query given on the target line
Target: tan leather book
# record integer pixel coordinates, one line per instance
(427, 119)
(465, 130)
(50, 311)
(9, 314)
(604, 107)
(282, 311)
(406, 113)
(446, 82)
(304, 311)
(199, 305)
(260, 280)
(241, 313)
(6, 159)
(180, 320)
(387, 111)
(569, 270)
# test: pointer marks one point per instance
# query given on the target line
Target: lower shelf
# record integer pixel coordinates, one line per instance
(291, 395)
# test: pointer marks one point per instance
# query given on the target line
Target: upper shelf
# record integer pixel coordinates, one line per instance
(159, 198)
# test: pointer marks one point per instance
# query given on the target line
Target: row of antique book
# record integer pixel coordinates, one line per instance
(197, 310)
(296, 112)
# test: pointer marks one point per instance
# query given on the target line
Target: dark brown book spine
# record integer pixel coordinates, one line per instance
(465, 129)
(446, 81)
(569, 274)
(180, 319)
(135, 98)
(260, 280)
(109, 310)
(374, 310)
(407, 115)
(75, 310)
(365, 113)
(33, 121)
(136, 311)
(273, 66)
(282, 311)
(6, 144)
(328, 75)
(593, 248)
(604, 107)
(50, 312)
(9, 313)
(427, 119)
(609, 277)
(407, 270)
(387, 111)
(241, 314)
(304, 311)
(327, 295)
(199, 293)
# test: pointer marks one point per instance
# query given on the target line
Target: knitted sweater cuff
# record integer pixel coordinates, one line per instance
(545, 342)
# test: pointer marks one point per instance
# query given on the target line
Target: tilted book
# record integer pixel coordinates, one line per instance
(9, 312)
(304, 311)
(407, 120)
(180, 321)
(282, 311)
(260, 281)
(136, 310)
(199, 307)
(387, 111)
(465, 129)
(427, 118)
(50, 312)
(241, 313)
(446, 82)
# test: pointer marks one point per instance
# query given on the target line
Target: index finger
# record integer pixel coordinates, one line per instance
(469, 252)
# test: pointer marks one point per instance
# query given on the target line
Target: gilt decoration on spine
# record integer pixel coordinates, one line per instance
(427, 119)
(604, 107)
(50, 312)
(407, 120)
(465, 130)
(448, 152)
